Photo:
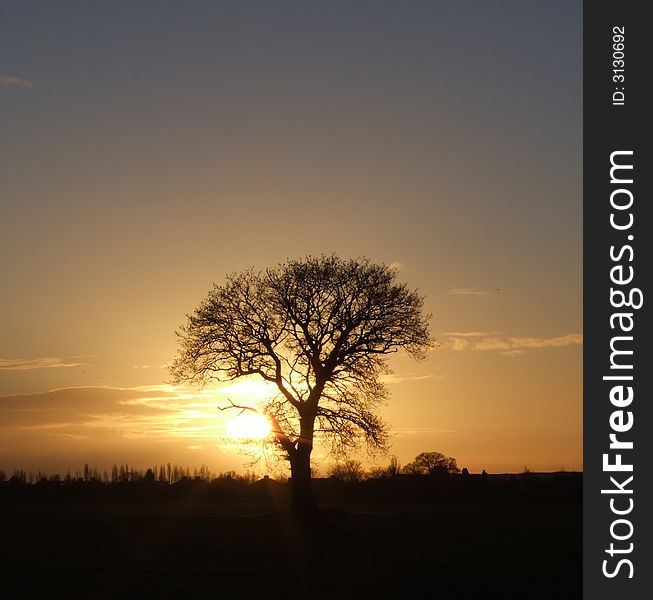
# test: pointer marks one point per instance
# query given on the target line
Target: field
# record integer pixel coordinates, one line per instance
(372, 550)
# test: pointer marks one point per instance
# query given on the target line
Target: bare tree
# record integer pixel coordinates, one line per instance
(429, 463)
(320, 330)
(349, 471)
(391, 470)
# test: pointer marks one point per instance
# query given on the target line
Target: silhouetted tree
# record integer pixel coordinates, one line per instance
(19, 476)
(394, 467)
(429, 463)
(391, 470)
(320, 330)
(349, 471)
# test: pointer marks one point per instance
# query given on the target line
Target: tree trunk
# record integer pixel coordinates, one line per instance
(301, 498)
(301, 490)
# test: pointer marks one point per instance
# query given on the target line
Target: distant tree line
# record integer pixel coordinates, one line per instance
(165, 473)
(431, 477)
(426, 463)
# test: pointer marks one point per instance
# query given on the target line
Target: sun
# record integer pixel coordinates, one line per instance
(248, 426)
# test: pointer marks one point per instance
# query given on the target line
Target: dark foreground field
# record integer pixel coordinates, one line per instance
(221, 550)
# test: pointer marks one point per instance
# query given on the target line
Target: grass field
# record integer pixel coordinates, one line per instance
(166, 550)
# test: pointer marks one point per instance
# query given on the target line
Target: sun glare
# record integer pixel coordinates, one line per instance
(248, 426)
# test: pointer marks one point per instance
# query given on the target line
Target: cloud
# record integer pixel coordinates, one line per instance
(396, 266)
(406, 432)
(491, 343)
(400, 378)
(564, 340)
(6, 81)
(466, 292)
(470, 333)
(109, 424)
(511, 346)
(82, 405)
(45, 362)
(157, 387)
(155, 413)
(459, 344)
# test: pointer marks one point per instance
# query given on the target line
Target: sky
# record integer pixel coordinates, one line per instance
(147, 149)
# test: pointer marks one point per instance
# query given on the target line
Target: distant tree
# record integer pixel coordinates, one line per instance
(349, 471)
(429, 463)
(392, 469)
(19, 476)
(319, 330)
(248, 477)
(203, 473)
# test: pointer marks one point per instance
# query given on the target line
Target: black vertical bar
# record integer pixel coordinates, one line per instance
(616, 102)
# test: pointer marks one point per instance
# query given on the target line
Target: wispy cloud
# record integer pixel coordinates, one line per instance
(570, 339)
(396, 265)
(157, 411)
(460, 340)
(509, 346)
(414, 431)
(493, 343)
(7, 81)
(466, 292)
(43, 362)
(465, 334)
(107, 421)
(400, 378)
(459, 344)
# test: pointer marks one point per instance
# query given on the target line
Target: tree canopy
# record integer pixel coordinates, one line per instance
(429, 463)
(320, 330)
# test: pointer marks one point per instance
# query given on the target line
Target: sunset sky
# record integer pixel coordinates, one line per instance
(149, 148)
